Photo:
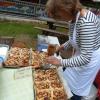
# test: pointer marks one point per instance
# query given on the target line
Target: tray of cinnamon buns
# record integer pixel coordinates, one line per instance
(47, 85)
(22, 57)
(17, 57)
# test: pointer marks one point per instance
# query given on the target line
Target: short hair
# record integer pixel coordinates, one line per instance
(70, 6)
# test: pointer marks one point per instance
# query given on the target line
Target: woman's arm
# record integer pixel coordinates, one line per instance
(87, 31)
(66, 45)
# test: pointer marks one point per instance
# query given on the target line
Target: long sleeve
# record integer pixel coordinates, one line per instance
(67, 45)
(86, 41)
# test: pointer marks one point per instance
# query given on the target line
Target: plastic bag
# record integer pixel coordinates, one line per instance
(42, 39)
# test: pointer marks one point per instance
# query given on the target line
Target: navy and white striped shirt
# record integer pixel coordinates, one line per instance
(87, 38)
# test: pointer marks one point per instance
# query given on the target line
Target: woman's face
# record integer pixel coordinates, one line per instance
(62, 15)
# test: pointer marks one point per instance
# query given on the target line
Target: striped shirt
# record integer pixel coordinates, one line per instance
(87, 39)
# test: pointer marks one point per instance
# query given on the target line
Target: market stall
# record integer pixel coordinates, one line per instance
(28, 75)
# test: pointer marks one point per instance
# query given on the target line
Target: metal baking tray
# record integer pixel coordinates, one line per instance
(58, 78)
(17, 65)
(33, 70)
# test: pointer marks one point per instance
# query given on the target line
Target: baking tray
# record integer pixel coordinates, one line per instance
(51, 81)
(33, 70)
(19, 65)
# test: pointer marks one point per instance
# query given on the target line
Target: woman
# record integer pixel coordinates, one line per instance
(83, 66)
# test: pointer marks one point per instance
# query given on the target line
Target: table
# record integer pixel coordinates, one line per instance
(15, 80)
(51, 21)
(51, 31)
(19, 83)
(16, 84)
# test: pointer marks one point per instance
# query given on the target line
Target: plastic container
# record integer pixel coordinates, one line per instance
(42, 46)
(42, 42)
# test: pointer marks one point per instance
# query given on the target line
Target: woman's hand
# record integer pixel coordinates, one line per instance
(59, 48)
(53, 60)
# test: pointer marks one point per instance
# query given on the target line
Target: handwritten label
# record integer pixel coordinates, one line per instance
(23, 72)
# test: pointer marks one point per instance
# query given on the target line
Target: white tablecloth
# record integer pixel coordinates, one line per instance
(16, 84)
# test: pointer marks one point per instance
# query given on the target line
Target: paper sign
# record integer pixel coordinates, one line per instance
(22, 73)
(16, 84)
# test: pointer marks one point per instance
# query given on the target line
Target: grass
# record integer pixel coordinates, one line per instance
(12, 28)
(22, 31)
(17, 28)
